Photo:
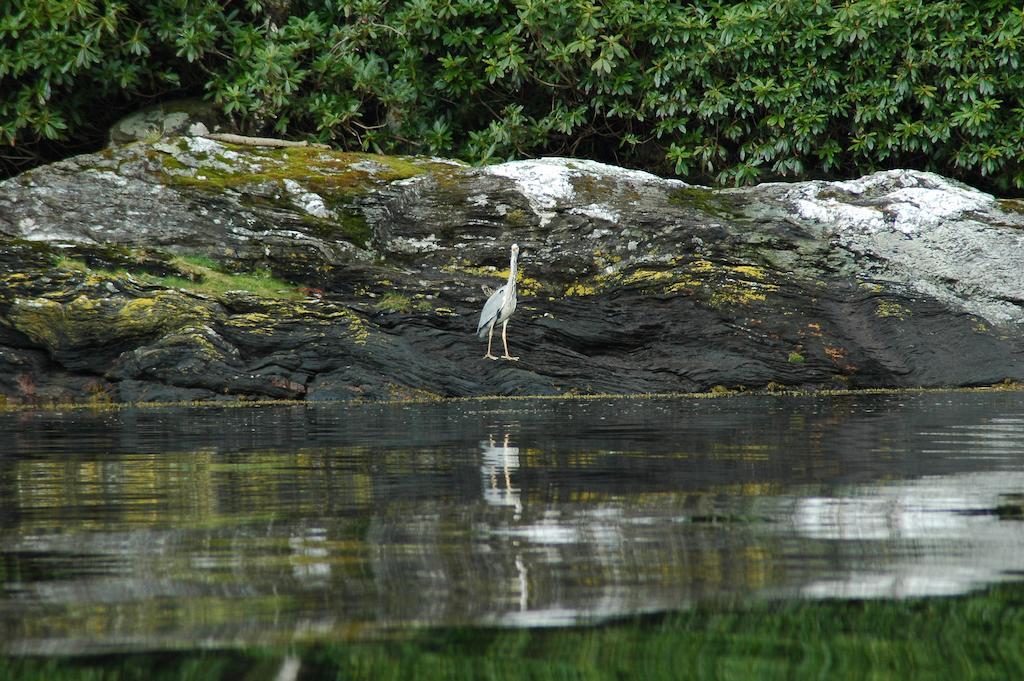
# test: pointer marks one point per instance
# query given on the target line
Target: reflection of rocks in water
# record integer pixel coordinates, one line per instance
(566, 562)
(555, 519)
(942, 536)
(556, 564)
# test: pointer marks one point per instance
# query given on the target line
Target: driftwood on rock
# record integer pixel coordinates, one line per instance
(244, 140)
(321, 275)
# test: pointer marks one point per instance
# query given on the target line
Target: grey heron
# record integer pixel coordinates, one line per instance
(498, 308)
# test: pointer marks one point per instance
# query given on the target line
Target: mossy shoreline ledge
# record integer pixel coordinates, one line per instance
(723, 393)
(184, 270)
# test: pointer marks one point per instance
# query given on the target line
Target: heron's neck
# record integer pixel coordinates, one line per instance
(512, 269)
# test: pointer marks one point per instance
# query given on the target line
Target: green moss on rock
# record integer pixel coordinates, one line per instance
(706, 200)
(1012, 205)
(324, 172)
(203, 275)
(85, 320)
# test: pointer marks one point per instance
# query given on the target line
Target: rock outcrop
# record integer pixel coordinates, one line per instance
(187, 269)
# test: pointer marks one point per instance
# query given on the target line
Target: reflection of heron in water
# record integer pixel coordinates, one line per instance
(496, 466)
(497, 462)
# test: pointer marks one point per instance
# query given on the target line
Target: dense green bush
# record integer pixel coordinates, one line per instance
(68, 66)
(734, 92)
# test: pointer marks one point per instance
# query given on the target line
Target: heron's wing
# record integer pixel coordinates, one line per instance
(491, 309)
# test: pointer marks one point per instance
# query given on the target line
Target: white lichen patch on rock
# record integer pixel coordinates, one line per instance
(547, 183)
(544, 184)
(412, 245)
(203, 145)
(201, 153)
(31, 229)
(833, 212)
(926, 232)
(109, 177)
(904, 201)
(372, 168)
(308, 201)
(597, 211)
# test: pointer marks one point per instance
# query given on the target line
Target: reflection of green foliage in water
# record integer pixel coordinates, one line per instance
(977, 637)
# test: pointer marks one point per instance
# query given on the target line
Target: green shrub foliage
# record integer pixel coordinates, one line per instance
(68, 66)
(731, 92)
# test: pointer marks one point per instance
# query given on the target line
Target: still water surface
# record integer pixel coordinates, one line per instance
(149, 529)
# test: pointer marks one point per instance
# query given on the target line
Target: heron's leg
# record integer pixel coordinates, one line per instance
(504, 341)
(490, 335)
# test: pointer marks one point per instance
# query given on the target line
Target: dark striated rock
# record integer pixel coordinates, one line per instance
(186, 269)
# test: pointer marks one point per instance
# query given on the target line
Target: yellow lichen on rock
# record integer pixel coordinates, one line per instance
(160, 310)
(327, 315)
(654, 280)
(729, 289)
(357, 326)
(602, 259)
(527, 286)
(310, 313)
(736, 296)
(721, 282)
(644, 276)
(86, 320)
(682, 284)
(889, 308)
(252, 322)
(749, 271)
(38, 318)
(581, 289)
